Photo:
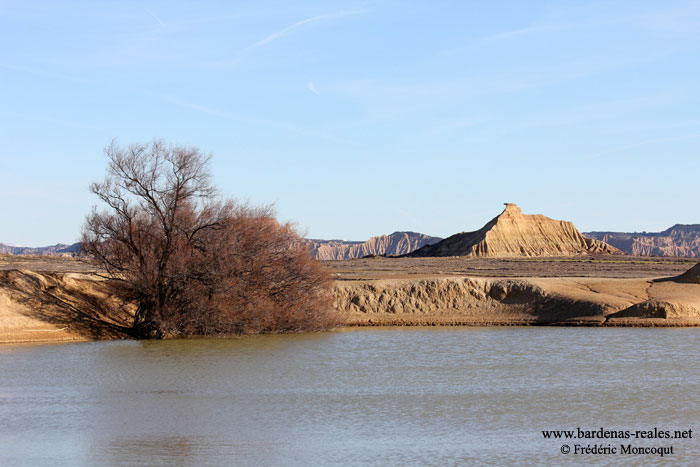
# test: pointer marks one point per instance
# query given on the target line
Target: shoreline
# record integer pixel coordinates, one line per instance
(357, 327)
(63, 306)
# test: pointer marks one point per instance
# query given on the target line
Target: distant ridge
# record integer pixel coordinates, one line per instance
(513, 233)
(59, 249)
(395, 244)
(679, 240)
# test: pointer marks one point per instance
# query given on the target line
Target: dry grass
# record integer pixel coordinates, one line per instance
(46, 263)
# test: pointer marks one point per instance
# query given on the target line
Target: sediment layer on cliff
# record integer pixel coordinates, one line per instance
(513, 233)
(395, 244)
(59, 249)
(680, 240)
(546, 301)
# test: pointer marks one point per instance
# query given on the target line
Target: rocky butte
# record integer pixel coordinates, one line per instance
(513, 233)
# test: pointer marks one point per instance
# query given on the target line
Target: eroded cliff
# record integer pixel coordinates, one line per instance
(395, 244)
(542, 301)
(679, 240)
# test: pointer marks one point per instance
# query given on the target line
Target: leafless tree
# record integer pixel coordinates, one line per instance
(194, 263)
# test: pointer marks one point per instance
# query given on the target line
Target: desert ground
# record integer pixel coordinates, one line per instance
(589, 290)
(603, 266)
(50, 298)
(62, 299)
(46, 264)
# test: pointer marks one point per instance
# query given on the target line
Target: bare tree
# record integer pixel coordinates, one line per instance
(194, 263)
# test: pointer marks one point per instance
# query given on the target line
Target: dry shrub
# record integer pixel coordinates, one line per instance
(197, 264)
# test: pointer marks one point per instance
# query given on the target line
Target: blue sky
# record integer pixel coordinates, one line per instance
(360, 118)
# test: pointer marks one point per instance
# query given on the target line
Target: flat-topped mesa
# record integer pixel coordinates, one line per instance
(513, 233)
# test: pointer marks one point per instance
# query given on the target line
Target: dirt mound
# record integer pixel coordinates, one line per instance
(692, 276)
(513, 233)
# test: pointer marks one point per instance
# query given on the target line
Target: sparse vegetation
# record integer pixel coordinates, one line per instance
(196, 263)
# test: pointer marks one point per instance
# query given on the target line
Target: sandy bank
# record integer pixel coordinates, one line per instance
(525, 301)
(39, 307)
(57, 306)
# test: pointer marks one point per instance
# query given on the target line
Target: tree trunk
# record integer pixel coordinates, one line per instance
(144, 326)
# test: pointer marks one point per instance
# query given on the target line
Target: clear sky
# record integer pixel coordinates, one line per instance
(359, 118)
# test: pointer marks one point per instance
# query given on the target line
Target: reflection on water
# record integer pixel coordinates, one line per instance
(421, 396)
(164, 450)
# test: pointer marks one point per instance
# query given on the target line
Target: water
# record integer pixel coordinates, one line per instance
(387, 396)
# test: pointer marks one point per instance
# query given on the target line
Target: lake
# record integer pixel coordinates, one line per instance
(369, 396)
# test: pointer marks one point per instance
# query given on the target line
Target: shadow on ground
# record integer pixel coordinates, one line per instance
(94, 309)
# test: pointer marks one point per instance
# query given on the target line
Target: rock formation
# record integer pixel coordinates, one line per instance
(679, 240)
(398, 243)
(513, 233)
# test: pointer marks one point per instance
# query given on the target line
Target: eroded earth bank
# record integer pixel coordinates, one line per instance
(62, 299)
(567, 291)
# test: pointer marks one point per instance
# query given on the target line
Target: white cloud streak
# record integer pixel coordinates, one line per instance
(312, 88)
(152, 15)
(278, 35)
(314, 19)
(199, 108)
